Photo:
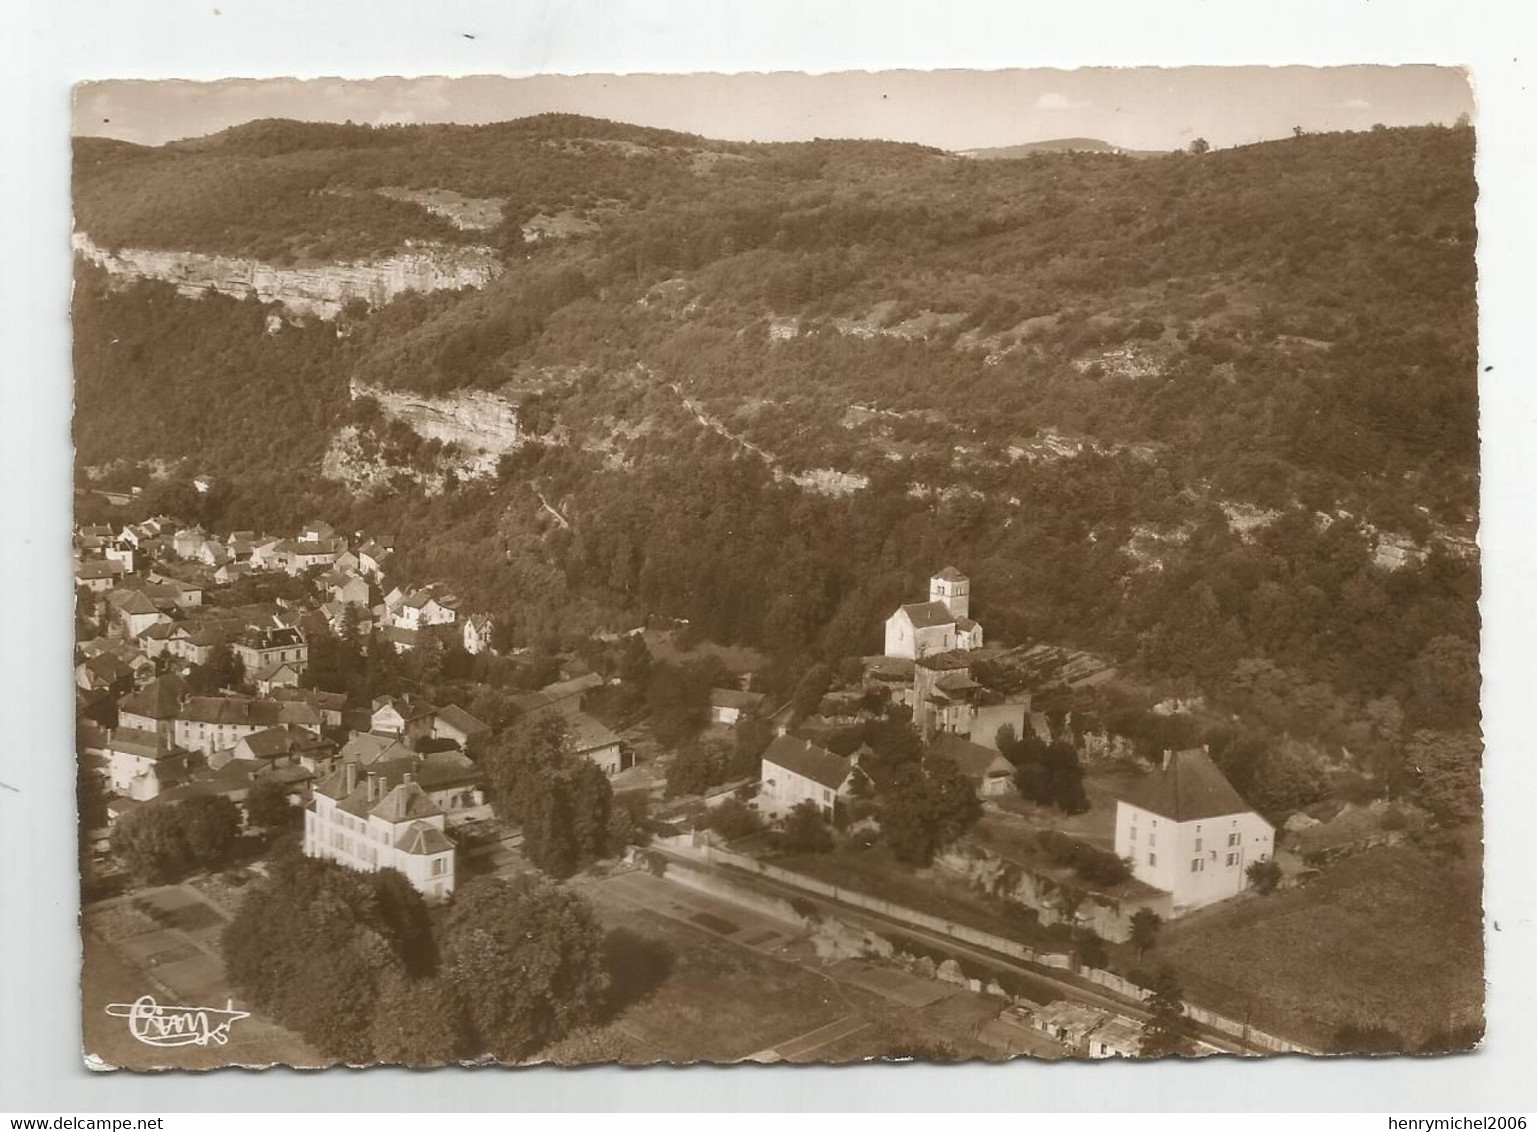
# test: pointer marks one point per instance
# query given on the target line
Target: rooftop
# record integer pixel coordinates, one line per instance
(808, 760)
(1188, 787)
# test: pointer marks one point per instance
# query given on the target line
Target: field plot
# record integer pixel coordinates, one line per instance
(164, 942)
(1389, 937)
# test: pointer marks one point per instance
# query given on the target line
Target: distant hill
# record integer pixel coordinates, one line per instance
(1054, 145)
(1067, 374)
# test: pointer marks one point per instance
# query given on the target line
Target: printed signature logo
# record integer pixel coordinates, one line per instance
(157, 1025)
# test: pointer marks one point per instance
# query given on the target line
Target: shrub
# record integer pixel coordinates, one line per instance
(1264, 876)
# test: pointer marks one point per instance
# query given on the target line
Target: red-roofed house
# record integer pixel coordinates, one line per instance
(1189, 833)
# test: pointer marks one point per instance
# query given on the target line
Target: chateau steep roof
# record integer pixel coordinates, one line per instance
(1190, 787)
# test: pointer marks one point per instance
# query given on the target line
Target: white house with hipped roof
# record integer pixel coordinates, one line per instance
(1188, 832)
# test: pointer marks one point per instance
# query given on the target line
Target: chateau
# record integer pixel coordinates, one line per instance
(1187, 832)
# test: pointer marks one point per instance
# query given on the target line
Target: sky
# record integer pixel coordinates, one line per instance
(1135, 108)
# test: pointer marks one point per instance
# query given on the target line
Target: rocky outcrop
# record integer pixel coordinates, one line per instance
(473, 420)
(321, 290)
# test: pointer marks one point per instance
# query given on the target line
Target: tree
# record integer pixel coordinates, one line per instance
(417, 1023)
(561, 800)
(1199, 146)
(1144, 930)
(1264, 876)
(1166, 1030)
(810, 689)
(1092, 951)
(925, 807)
(222, 669)
(406, 920)
(525, 959)
(162, 842)
(734, 819)
(805, 830)
(311, 947)
(149, 841)
(267, 805)
(1446, 770)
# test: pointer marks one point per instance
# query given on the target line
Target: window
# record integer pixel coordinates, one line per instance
(1152, 839)
(1233, 838)
(437, 867)
(1152, 858)
(1134, 833)
(1198, 842)
(1198, 865)
(1232, 859)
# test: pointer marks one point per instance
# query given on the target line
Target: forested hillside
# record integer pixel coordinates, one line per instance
(1065, 373)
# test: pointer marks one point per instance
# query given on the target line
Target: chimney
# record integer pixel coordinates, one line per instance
(351, 772)
(371, 777)
(408, 778)
(1168, 757)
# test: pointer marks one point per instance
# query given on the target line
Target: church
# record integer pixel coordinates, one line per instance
(941, 624)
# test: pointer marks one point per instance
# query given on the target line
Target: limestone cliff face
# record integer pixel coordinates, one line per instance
(321, 290)
(479, 423)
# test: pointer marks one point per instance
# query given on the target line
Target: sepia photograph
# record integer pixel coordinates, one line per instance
(778, 568)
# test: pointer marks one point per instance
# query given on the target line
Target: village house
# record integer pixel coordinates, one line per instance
(216, 723)
(141, 764)
(98, 575)
(329, 705)
(104, 672)
(154, 707)
(938, 625)
(591, 739)
(730, 707)
(284, 745)
(477, 633)
(1189, 833)
(346, 588)
(132, 612)
(373, 559)
(989, 772)
(295, 556)
(400, 715)
(421, 609)
(366, 748)
(450, 779)
(359, 822)
(121, 553)
(191, 642)
(188, 543)
(232, 572)
(278, 674)
(796, 770)
(458, 726)
(945, 696)
(261, 646)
